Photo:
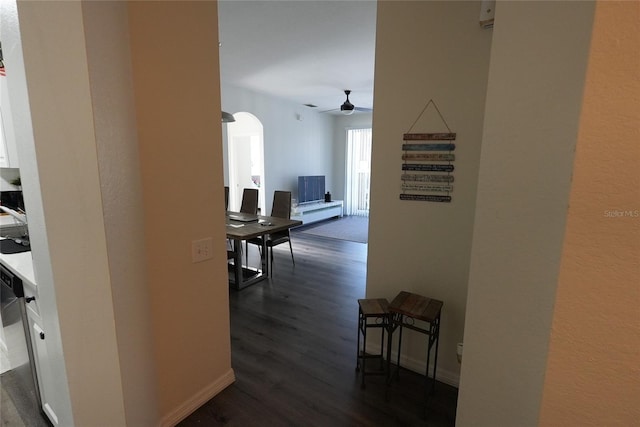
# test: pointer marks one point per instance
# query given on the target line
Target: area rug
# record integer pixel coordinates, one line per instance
(352, 228)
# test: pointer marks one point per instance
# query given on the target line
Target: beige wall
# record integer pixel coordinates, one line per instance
(137, 334)
(177, 98)
(532, 115)
(592, 376)
(59, 168)
(426, 50)
(109, 66)
(534, 96)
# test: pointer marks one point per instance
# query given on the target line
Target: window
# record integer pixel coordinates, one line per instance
(358, 171)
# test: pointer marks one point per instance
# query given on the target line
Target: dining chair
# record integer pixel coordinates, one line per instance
(249, 205)
(249, 201)
(281, 208)
(226, 208)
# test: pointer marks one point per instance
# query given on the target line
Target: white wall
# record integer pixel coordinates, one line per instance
(291, 147)
(9, 137)
(536, 79)
(6, 176)
(426, 50)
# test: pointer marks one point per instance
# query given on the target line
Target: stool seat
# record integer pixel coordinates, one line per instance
(372, 313)
(374, 307)
(416, 306)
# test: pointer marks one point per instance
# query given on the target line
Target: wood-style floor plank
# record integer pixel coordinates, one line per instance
(293, 343)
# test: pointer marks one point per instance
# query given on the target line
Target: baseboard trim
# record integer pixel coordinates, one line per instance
(199, 399)
(418, 366)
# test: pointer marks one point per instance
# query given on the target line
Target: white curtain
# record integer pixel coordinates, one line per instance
(358, 171)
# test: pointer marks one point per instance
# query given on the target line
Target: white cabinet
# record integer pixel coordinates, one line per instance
(313, 212)
(8, 145)
(4, 157)
(41, 359)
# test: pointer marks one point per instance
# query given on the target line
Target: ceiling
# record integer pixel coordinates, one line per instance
(306, 51)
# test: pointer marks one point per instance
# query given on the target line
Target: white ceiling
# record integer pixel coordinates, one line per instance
(307, 51)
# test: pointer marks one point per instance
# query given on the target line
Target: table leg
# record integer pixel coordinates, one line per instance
(265, 255)
(237, 261)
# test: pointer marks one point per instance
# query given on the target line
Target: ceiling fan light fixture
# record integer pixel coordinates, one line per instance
(347, 108)
(227, 117)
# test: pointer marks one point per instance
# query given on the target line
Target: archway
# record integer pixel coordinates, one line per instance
(246, 159)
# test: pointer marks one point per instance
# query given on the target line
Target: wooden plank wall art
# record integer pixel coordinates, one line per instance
(427, 167)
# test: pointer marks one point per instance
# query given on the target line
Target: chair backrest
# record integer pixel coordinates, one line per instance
(249, 201)
(226, 198)
(281, 207)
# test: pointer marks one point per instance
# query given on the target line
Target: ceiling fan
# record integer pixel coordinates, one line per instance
(347, 107)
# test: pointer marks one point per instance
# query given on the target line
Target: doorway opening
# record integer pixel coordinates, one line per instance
(358, 174)
(246, 159)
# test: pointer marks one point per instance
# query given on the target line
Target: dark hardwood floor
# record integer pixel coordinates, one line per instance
(293, 341)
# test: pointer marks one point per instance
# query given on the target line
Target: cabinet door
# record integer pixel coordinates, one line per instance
(8, 144)
(43, 369)
(4, 158)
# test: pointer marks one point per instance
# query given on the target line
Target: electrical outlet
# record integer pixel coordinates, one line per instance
(202, 250)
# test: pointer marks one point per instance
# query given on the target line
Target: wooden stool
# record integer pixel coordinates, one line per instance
(405, 308)
(373, 313)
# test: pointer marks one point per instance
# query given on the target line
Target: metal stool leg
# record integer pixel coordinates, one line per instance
(358, 348)
(399, 350)
(435, 359)
(364, 352)
(382, 345)
(372, 313)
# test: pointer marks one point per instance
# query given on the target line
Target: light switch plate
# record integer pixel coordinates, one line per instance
(202, 250)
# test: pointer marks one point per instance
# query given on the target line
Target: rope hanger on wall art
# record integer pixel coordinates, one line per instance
(427, 166)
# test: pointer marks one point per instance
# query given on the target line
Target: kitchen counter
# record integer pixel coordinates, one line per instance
(6, 219)
(20, 264)
(10, 227)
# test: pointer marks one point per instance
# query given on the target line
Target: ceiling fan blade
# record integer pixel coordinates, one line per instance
(355, 109)
(347, 106)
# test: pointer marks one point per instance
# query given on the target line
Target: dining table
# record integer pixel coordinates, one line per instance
(242, 227)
